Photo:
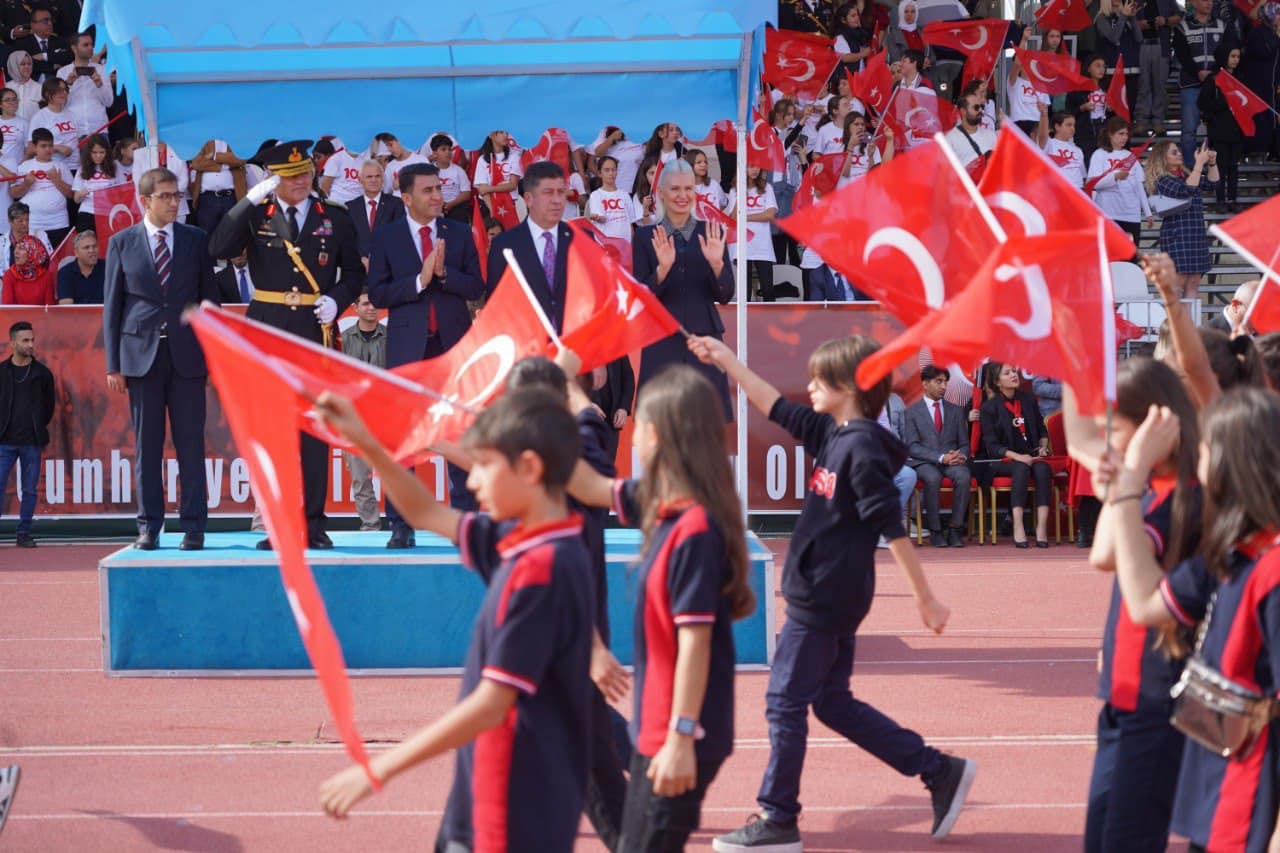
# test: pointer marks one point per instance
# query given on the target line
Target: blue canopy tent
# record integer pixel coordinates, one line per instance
(241, 71)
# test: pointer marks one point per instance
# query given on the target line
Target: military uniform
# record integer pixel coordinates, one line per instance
(284, 297)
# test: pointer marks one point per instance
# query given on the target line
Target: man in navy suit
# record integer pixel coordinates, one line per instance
(540, 243)
(372, 208)
(424, 268)
(155, 269)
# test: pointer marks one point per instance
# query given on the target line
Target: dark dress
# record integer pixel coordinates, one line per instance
(690, 292)
(1183, 235)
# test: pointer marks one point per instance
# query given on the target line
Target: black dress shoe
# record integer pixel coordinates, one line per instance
(1040, 543)
(937, 539)
(320, 541)
(264, 545)
(1022, 544)
(192, 542)
(24, 540)
(400, 541)
(145, 542)
(955, 537)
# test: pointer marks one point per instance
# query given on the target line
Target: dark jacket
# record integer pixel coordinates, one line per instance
(1194, 44)
(1216, 113)
(829, 578)
(999, 432)
(59, 54)
(926, 444)
(394, 267)
(618, 391)
(390, 209)
(135, 308)
(42, 391)
(823, 287)
(550, 295)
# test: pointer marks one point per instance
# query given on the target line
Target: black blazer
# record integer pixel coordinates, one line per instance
(618, 391)
(999, 433)
(41, 379)
(520, 240)
(59, 54)
(690, 291)
(228, 285)
(394, 267)
(390, 209)
(134, 307)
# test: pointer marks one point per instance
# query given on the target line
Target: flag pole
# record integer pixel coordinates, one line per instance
(533, 300)
(1109, 337)
(971, 189)
(880, 121)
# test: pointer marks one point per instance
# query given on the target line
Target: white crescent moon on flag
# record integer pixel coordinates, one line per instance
(505, 349)
(117, 208)
(1034, 68)
(1032, 220)
(808, 75)
(1244, 99)
(982, 32)
(1040, 323)
(271, 482)
(935, 291)
(924, 127)
(755, 141)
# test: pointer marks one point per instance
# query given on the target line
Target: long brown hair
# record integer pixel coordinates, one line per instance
(692, 460)
(1242, 496)
(1234, 361)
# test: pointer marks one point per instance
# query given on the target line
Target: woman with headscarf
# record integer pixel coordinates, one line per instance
(903, 33)
(1260, 71)
(28, 281)
(18, 78)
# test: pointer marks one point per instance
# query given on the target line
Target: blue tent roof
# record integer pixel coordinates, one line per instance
(236, 71)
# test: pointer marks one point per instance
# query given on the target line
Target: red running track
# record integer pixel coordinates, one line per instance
(224, 765)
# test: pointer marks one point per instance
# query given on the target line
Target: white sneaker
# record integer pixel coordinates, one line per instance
(8, 788)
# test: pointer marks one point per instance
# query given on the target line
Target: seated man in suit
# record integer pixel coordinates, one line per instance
(424, 268)
(827, 285)
(937, 434)
(372, 208)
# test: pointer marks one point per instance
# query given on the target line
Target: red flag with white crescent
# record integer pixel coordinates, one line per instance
(819, 179)
(617, 248)
(1117, 95)
(1053, 73)
(722, 133)
(1243, 102)
(480, 235)
(981, 40)
(916, 115)
(874, 83)
(798, 63)
(708, 212)
(553, 145)
(1067, 15)
(115, 209)
(501, 206)
(764, 148)
(64, 254)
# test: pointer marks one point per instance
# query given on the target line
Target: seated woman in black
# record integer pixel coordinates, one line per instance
(1014, 432)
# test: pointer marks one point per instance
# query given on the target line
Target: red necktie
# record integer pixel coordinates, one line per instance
(425, 233)
(373, 212)
(937, 416)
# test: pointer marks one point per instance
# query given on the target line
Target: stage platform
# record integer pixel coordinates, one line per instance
(222, 611)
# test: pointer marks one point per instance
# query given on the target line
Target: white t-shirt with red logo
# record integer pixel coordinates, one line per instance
(575, 196)
(63, 127)
(99, 180)
(14, 135)
(344, 168)
(711, 193)
(629, 156)
(1068, 159)
(860, 162)
(759, 239)
(48, 206)
(391, 178)
(508, 167)
(1098, 101)
(453, 182)
(618, 209)
(1023, 100)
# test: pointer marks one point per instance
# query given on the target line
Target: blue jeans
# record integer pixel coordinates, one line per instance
(29, 456)
(905, 481)
(1190, 121)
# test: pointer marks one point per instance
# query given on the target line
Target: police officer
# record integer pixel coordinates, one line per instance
(306, 270)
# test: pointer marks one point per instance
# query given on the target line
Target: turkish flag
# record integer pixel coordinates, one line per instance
(1244, 6)
(1117, 96)
(798, 63)
(708, 212)
(909, 233)
(979, 39)
(553, 145)
(1043, 303)
(820, 178)
(1053, 73)
(1243, 102)
(261, 403)
(764, 148)
(1067, 15)
(617, 248)
(1252, 235)
(1264, 310)
(480, 236)
(874, 83)
(722, 133)
(609, 314)
(115, 209)
(1124, 165)
(1030, 197)
(64, 254)
(916, 115)
(501, 206)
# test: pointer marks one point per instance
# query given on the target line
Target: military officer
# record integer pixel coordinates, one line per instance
(306, 270)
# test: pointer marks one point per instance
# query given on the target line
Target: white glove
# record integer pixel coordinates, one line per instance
(262, 190)
(326, 309)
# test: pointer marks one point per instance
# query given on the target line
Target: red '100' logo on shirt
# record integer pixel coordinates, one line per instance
(823, 482)
(350, 174)
(40, 174)
(65, 126)
(612, 204)
(755, 201)
(8, 130)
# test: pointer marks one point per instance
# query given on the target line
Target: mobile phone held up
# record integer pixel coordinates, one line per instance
(84, 71)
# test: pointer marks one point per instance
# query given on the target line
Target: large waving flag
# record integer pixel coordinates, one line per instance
(979, 39)
(798, 63)
(115, 209)
(553, 145)
(1053, 73)
(764, 148)
(874, 83)
(1067, 15)
(1117, 95)
(1252, 235)
(916, 115)
(1243, 102)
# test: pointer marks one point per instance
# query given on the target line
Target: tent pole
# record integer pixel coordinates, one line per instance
(740, 269)
(146, 97)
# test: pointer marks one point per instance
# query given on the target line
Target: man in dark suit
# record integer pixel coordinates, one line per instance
(424, 268)
(48, 52)
(155, 269)
(235, 284)
(540, 243)
(297, 245)
(373, 208)
(937, 433)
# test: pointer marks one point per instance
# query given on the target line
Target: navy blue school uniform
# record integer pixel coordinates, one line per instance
(678, 583)
(690, 292)
(828, 583)
(522, 785)
(1231, 805)
(1135, 768)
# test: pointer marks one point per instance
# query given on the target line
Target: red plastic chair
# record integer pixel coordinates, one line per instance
(977, 515)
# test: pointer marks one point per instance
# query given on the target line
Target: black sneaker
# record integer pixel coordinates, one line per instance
(948, 791)
(8, 788)
(938, 539)
(24, 540)
(761, 834)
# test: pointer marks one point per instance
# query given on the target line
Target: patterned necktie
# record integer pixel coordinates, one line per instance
(425, 234)
(549, 260)
(937, 416)
(293, 224)
(163, 261)
(245, 294)
(373, 212)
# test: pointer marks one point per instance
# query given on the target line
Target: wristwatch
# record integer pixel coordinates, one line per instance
(688, 728)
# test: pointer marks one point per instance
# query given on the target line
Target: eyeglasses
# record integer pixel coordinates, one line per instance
(167, 198)
(41, 20)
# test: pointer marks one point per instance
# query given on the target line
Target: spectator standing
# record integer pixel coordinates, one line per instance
(852, 39)
(937, 436)
(340, 179)
(665, 143)
(1156, 20)
(1024, 98)
(220, 181)
(365, 340)
(13, 132)
(122, 151)
(1067, 157)
(1120, 37)
(1089, 108)
(89, 93)
(97, 172)
(400, 158)
(761, 208)
(54, 117)
(19, 221)
(373, 208)
(48, 51)
(613, 142)
(644, 194)
(18, 78)
(611, 209)
(903, 34)
(28, 281)
(81, 282)
(497, 171)
(1195, 41)
(613, 389)
(235, 281)
(455, 188)
(162, 156)
(26, 409)
(44, 189)
(860, 154)
(1120, 192)
(1182, 233)
(806, 16)
(1223, 133)
(1260, 71)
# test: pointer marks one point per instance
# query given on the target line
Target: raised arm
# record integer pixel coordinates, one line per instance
(712, 351)
(1187, 344)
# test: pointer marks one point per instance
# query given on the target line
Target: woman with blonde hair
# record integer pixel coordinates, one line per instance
(1182, 227)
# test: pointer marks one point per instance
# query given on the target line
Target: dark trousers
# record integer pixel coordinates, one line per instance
(1021, 475)
(606, 786)
(162, 390)
(27, 457)
(813, 668)
(1229, 154)
(655, 824)
(931, 477)
(210, 208)
(315, 482)
(763, 271)
(1135, 776)
(460, 498)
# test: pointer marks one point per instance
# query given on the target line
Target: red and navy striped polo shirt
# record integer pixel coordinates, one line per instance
(1231, 805)
(522, 785)
(679, 581)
